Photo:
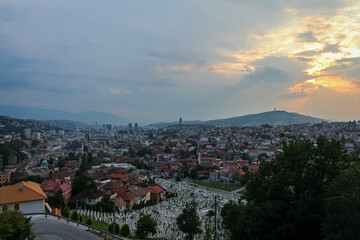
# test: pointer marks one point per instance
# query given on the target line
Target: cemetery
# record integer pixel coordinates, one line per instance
(166, 212)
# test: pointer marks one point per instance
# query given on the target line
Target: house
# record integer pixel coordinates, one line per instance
(214, 176)
(157, 192)
(142, 194)
(88, 197)
(126, 196)
(51, 188)
(26, 197)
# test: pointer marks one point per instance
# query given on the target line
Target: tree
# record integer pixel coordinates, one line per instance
(285, 198)
(125, 230)
(75, 215)
(188, 221)
(89, 221)
(112, 226)
(81, 183)
(342, 207)
(145, 225)
(56, 201)
(167, 149)
(14, 225)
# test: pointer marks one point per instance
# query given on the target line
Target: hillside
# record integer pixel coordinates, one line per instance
(50, 114)
(271, 118)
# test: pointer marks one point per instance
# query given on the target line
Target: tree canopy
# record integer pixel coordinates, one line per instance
(14, 225)
(286, 198)
(145, 225)
(188, 221)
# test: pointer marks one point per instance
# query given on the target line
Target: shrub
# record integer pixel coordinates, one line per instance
(117, 228)
(89, 221)
(75, 216)
(125, 230)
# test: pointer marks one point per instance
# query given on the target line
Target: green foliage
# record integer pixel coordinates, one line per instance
(82, 182)
(75, 216)
(167, 149)
(143, 151)
(61, 163)
(89, 221)
(145, 225)
(125, 230)
(188, 221)
(13, 147)
(14, 225)
(65, 212)
(104, 205)
(286, 197)
(56, 201)
(342, 207)
(112, 226)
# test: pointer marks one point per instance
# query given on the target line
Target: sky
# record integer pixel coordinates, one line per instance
(150, 61)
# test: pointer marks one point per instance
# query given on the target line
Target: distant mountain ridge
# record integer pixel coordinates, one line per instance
(50, 114)
(271, 118)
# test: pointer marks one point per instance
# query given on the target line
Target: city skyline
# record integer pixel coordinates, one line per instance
(151, 61)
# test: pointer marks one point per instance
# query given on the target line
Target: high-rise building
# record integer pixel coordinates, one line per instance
(130, 126)
(27, 132)
(136, 126)
(36, 136)
(180, 120)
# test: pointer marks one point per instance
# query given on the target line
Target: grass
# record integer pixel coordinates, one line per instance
(218, 185)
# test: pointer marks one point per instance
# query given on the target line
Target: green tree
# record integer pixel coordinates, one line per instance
(188, 221)
(342, 207)
(89, 221)
(125, 230)
(75, 215)
(82, 182)
(112, 226)
(285, 198)
(145, 225)
(56, 201)
(14, 225)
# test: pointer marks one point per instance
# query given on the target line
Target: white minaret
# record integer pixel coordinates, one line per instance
(199, 158)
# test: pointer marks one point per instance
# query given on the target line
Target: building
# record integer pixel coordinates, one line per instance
(51, 188)
(27, 133)
(136, 126)
(5, 177)
(61, 132)
(26, 197)
(36, 136)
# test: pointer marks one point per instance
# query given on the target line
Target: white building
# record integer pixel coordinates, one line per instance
(26, 197)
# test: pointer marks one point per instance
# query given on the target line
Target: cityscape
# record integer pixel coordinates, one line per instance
(179, 120)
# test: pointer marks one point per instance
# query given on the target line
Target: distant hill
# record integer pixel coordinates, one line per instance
(50, 114)
(271, 118)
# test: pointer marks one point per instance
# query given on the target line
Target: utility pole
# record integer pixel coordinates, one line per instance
(113, 230)
(215, 220)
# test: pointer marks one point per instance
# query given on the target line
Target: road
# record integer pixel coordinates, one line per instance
(52, 229)
(233, 194)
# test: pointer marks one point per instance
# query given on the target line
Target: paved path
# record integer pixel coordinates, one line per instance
(218, 191)
(238, 190)
(51, 228)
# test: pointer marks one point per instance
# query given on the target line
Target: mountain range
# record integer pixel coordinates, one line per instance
(50, 114)
(271, 118)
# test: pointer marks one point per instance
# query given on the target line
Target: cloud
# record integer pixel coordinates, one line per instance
(307, 37)
(119, 90)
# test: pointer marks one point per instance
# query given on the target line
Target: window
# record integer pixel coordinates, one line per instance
(16, 206)
(5, 207)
